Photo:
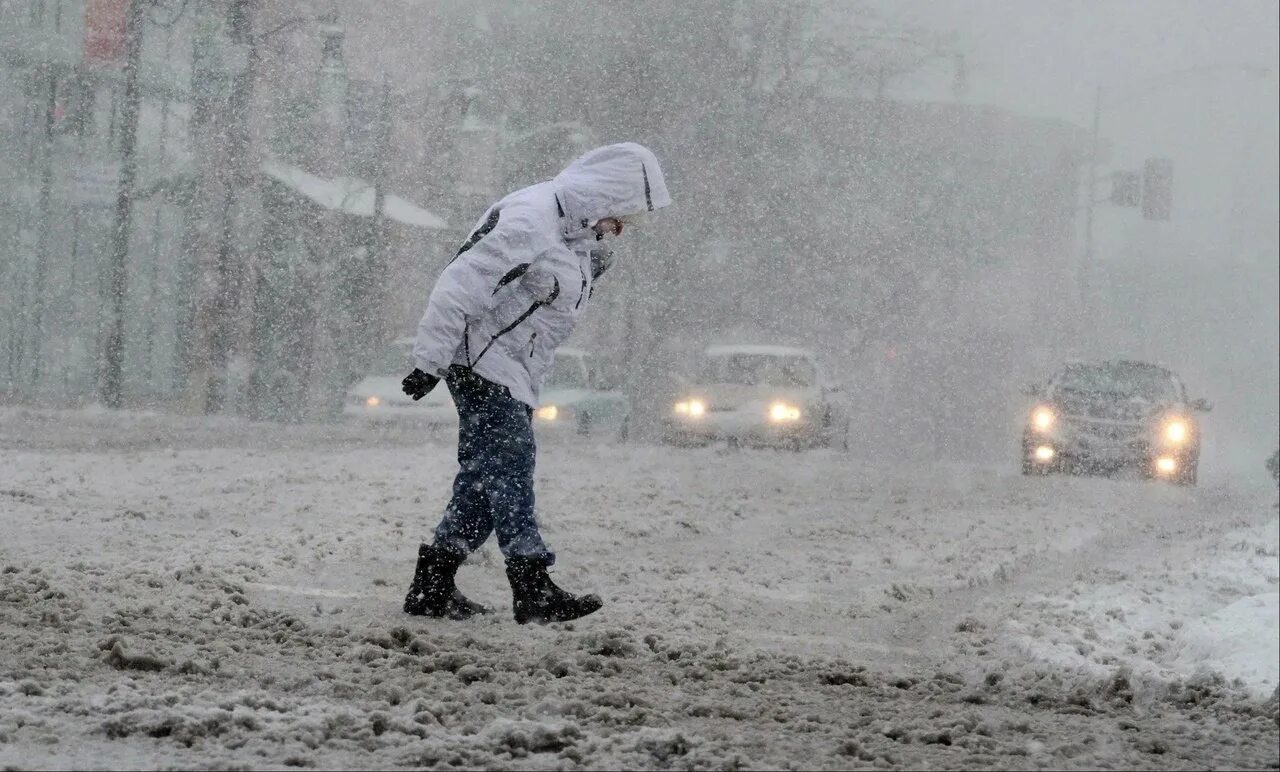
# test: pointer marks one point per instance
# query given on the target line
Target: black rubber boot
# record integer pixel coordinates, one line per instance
(433, 592)
(535, 598)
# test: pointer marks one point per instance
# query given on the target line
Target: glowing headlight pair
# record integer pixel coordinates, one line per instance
(781, 412)
(694, 408)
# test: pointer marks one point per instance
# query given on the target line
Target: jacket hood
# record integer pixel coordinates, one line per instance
(611, 181)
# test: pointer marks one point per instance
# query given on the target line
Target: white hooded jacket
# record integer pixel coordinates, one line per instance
(518, 285)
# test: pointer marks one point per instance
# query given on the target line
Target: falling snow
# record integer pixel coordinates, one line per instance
(220, 221)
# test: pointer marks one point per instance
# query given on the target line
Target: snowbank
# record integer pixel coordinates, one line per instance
(1205, 608)
(1241, 641)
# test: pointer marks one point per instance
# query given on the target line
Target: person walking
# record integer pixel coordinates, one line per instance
(509, 298)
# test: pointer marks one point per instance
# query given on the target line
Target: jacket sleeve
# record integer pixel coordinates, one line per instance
(460, 292)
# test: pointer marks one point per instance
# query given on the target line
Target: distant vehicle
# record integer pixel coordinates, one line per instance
(378, 397)
(758, 395)
(570, 397)
(576, 395)
(1104, 416)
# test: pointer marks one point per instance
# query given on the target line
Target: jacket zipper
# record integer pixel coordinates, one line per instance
(532, 339)
(582, 293)
(555, 293)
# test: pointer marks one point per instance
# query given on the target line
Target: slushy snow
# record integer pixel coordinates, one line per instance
(210, 592)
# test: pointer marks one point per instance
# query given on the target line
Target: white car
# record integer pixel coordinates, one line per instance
(379, 397)
(572, 397)
(575, 396)
(758, 395)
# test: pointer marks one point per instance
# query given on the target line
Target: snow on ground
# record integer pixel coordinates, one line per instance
(205, 592)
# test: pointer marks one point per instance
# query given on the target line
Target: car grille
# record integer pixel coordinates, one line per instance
(1106, 430)
(1106, 410)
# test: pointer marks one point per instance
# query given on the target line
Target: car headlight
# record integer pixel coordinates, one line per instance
(373, 402)
(1043, 418)
(1176, 431)
(781, 412)
(547, 413)
(694, 408)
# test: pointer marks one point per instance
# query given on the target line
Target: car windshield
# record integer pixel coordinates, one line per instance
(567, 373)
(759, 370)
(1119, 379)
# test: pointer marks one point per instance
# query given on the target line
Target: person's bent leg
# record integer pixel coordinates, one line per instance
(466, 522)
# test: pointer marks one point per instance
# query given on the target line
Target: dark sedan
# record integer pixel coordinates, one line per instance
(1105, 416)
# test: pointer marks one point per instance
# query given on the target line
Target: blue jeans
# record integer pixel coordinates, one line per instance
(494, 487)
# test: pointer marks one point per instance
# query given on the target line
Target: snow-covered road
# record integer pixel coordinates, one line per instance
(209, 593)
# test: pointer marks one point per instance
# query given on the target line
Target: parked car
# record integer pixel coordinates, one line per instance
(758, 395)
(378, 396)
(577, 395)
(1104, 416)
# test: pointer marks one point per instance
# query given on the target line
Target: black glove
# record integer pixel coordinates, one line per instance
(418, 384)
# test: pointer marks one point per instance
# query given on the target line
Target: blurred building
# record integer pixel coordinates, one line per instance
(238, 100)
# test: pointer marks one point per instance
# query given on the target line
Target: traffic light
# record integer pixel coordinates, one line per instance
(1126, 188)
(1157, 189)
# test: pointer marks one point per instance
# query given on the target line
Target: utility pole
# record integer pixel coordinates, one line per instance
(1086, 265)
(113, 353)
(149, 332)
(230, 265)
(50, 73)
(379, 259)
(220, 94)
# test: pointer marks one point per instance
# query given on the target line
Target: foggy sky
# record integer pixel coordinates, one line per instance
(1219, 124)
(1047, 58)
